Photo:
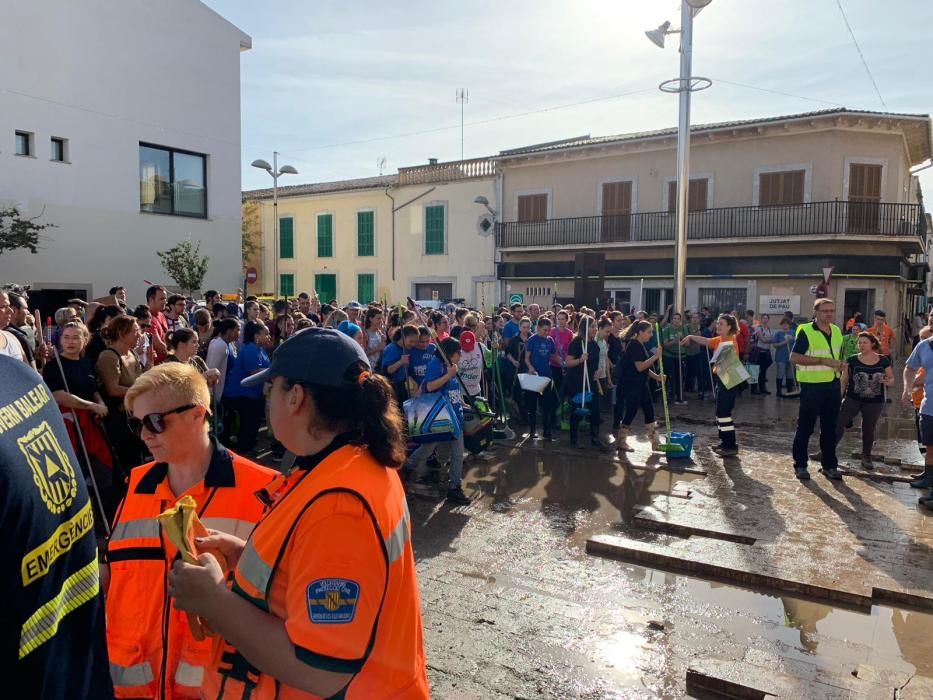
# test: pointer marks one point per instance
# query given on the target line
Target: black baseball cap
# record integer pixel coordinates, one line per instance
(313, 356)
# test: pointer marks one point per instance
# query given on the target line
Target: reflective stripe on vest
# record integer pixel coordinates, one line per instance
(135, 530)
(189, 675)
(42, 625)
(254, 571)
(395, 542)
(818, 347)
(130, 676)
(231, 526)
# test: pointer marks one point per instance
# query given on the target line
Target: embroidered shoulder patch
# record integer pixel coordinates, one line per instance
(332, 601)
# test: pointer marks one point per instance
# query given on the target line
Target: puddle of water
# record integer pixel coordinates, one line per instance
(834, 638)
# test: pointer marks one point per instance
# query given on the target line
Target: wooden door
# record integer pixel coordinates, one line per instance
(864, 197)
(616, 212)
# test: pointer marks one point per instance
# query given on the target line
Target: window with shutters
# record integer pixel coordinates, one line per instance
(365, 234)
(325, 235)
(287, 285)
(783, 188)
(286, 237)
(325, 286)
(616, 210)
(532, 207)
(696, 198)
(366, 288)
(435, 229)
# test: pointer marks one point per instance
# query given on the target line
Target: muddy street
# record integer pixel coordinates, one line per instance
(745, 576)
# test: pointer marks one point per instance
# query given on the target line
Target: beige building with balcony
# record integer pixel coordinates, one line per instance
(772, 203)
(414, 234)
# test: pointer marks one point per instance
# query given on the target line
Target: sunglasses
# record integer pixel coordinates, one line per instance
(154, 422)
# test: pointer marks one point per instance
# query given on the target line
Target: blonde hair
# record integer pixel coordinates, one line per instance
(177, 380)
(85, 333)
(821, 301)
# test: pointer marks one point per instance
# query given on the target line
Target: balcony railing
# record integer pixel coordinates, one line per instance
(813, 219)
(447, 172)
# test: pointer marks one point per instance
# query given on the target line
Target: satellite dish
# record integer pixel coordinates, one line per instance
(381, 164)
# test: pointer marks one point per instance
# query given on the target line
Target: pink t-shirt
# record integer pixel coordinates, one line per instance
(562, 340)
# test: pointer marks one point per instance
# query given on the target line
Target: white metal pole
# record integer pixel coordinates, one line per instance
(275, 225)
(683, 158)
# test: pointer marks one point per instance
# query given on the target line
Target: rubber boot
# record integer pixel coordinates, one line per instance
(924, 481)
(621, 439)
(652, 430)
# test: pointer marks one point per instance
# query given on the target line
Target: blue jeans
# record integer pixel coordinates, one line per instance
(453, 448)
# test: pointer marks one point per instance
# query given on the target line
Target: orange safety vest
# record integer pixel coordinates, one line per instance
(393, 663)
(153, 653)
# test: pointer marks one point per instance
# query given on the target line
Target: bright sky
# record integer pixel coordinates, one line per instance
(335, 85)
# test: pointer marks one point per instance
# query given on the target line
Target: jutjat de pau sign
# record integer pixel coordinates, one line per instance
(773, 304)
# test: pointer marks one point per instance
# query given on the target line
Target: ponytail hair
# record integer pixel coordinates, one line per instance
(635, 328)
(179, 336)
(224, 326)
(730, 321)
(367, 409)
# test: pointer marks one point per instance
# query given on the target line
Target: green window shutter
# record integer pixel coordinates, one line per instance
(365, 234)
(325, 236)
(286, 237)
(434, 230)
(366, 288)
(287, 285)
(325, 286)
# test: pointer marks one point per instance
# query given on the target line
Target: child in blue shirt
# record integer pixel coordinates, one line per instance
(420, 356)
(441, 376)
(395, 359)
(540, 351)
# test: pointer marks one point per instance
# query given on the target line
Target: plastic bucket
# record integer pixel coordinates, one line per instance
(685, 440)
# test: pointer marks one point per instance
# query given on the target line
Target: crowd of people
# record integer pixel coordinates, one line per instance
(165, 401)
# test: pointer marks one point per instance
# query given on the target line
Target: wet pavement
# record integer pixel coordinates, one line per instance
(514, 607)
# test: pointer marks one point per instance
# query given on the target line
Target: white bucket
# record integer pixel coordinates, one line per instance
(534, 382)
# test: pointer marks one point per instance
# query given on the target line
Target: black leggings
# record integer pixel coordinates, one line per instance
(725, 402)
(548, 401)
(871, 412)
(637, 395)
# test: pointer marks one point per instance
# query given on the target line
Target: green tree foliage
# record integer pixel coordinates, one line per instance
(185, 265)
(17, 232)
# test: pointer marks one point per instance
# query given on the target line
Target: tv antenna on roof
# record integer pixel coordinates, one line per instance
(381, 163)
(463, 96)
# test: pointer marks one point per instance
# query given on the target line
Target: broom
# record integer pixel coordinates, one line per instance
(585, 396)
(669, 446)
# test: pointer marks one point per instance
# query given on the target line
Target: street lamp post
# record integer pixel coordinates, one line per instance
(275, 171)
(683, 85)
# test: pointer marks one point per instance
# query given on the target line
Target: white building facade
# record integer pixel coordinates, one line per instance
(120, 125)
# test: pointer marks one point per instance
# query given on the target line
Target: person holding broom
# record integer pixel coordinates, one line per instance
(727, 330)
(637, 362)
(579, 382)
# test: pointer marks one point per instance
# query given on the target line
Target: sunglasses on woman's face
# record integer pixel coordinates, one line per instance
(154, 422)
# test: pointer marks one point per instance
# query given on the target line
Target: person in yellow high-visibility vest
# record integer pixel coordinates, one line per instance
(817, 353)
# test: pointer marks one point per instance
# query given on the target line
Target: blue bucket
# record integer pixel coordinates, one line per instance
(683, 439)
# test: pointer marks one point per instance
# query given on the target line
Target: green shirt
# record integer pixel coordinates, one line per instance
(671, 333)
(849, 346)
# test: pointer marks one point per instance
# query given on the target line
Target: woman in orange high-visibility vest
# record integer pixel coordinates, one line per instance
(153, 652)
(324, 597)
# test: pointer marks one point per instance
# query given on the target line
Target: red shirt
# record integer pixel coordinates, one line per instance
(743, 336)
(159, 329)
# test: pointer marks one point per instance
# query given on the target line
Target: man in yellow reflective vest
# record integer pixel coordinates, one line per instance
(818, 356)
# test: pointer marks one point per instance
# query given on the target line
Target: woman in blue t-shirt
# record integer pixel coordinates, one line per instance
(249, 402)
(540, 351)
